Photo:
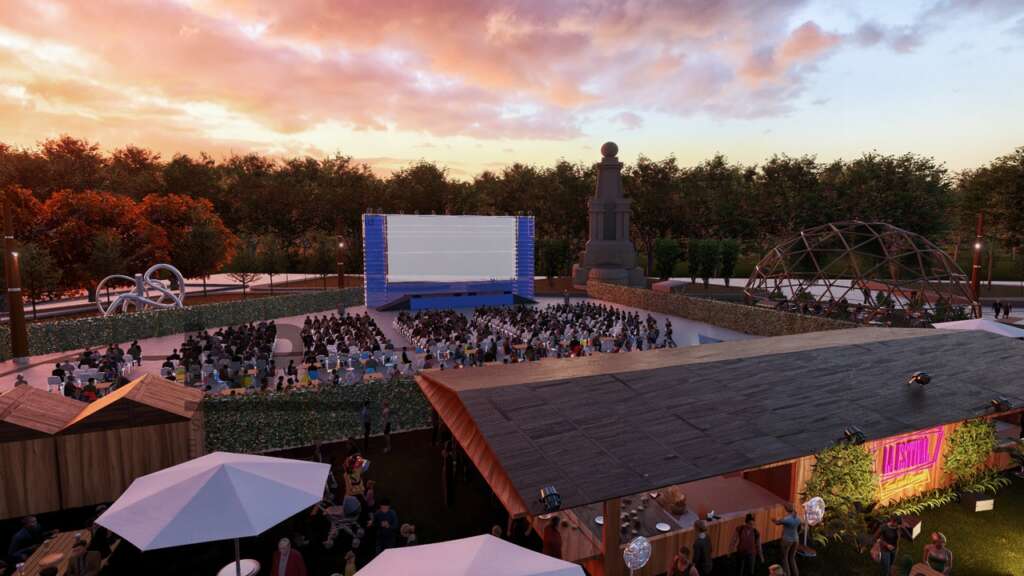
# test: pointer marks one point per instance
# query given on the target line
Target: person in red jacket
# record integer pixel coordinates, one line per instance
(287, 562)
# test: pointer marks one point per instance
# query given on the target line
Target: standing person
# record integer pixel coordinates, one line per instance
(747, 544)
(681, 565)
(386, 521)
(790, 536)
(888, 536)
(364, 415)
(553, 538)
(385, 415)
(287, 562)
(1007, 309)
(350, 563)
(702, 554)
(937, 556)
(997, 307)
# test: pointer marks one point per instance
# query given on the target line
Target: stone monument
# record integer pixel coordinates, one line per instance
(609, 255)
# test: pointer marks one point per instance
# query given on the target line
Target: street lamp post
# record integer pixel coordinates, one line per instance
(341, 273)
(976, 264)
(15, 305)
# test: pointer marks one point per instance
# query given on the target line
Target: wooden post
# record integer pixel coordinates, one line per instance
(15, 306)
(613, 563)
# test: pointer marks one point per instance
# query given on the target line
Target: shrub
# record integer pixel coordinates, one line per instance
(967, 449)
(72, 334)
(260, 423)
(730, 254)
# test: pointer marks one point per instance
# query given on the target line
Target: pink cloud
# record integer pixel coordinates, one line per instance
(528, 69)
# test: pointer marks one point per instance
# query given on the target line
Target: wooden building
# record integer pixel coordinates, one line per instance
(733, 426)
(29, 418)
(61, 453)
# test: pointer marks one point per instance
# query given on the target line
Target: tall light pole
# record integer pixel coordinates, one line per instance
(976, 265)
(15, 306)
(341, 266)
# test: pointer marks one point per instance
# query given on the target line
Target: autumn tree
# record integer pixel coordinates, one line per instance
(39, 273)
(134, 172)
(72, 164)
(74, 219)
(178, 216)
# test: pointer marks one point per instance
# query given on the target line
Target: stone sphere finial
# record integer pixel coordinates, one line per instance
(609, 150)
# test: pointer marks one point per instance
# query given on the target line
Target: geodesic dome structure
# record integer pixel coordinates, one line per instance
(868, 272)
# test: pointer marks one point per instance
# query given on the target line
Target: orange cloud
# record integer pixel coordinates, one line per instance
(262, 73)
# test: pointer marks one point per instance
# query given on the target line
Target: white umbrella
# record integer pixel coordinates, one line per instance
(219, 496)
(475, 556)
(984, 324)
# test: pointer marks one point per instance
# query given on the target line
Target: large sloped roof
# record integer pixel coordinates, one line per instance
(27, 412)
(144, 401)
(618, 424)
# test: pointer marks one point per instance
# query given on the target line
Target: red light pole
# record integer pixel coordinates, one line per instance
(16, 308)
(976, 266)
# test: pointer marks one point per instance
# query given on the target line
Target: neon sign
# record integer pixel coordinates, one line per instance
(906, 462)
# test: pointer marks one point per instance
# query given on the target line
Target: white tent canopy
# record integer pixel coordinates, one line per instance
(984, 324)
(476, 556)
(219, 496)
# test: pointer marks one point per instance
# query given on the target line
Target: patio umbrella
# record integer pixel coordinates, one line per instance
(219, 496)
(984, 324)
(468, 557)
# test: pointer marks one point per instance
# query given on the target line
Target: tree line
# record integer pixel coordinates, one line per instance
(96, 212)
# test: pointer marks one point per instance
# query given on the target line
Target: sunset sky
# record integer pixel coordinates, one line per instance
(479, 85)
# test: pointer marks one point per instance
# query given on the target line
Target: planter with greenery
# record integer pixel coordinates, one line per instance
(844, 477)
(265, 422)
(72, 334)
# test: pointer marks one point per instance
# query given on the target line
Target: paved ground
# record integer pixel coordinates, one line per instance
(154, 350)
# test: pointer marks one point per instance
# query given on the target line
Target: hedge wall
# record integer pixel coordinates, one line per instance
(261, 423)
(72, 334)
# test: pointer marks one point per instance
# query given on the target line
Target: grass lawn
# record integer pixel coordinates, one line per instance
(983, 543)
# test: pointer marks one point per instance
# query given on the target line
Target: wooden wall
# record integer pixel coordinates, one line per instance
(97, 467)
(28, 478)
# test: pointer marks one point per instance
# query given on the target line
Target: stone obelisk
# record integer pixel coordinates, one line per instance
(609, 255)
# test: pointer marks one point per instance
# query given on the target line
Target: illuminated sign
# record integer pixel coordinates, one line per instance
(907, 462)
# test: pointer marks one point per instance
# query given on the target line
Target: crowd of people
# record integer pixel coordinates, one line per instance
(449, 339)
(93, 372)
(228, 357)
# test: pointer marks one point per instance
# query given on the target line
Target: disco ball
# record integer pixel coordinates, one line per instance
(637, 553)
(814, 511)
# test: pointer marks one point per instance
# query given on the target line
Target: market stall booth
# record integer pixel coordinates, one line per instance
(611, 443)
(60, 453)
(29, 417)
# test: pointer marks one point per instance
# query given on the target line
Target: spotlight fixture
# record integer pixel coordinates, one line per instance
(852, 435)
(1001, 404)
(921, 378)
(550, 499)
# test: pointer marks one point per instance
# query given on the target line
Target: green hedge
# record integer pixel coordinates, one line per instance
(72, 334)
(260, 423)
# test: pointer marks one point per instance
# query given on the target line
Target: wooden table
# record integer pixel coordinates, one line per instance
(59, 544)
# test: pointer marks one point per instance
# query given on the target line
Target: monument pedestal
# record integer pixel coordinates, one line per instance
(609, 256)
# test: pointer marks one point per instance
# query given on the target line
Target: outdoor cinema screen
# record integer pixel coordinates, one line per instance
(451, 248)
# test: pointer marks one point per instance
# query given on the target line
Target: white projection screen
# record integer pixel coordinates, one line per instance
(451, 248)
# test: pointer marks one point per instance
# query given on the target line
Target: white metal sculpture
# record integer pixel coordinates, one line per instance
(140, 297)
